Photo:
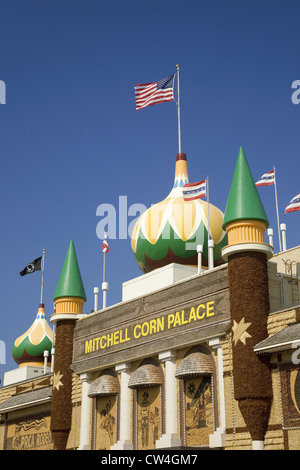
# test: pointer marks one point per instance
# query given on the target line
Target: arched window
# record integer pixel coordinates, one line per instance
(196, 373)
(105, 391)
(147, 383)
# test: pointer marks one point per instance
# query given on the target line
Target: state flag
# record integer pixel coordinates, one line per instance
(266, 179)
(294, 205)
(193, 191)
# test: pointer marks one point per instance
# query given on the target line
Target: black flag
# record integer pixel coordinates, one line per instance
(33, 266)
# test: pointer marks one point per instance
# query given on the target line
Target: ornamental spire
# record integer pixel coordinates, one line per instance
(70, 283)
(244, 202)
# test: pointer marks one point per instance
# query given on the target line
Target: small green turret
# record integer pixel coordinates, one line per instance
(69, 298)
(243, 202)
(70, 283)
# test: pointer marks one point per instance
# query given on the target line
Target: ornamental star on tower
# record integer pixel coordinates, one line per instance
(240, 331)
(56, 380)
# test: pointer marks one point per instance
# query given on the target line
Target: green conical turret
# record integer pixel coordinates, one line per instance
(243, 202)
(70, 283)
(69, 298)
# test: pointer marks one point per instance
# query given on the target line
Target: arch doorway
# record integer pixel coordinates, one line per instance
(147, 382)
(196, 373)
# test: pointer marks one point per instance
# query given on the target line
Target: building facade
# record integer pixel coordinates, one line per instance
(193, 357)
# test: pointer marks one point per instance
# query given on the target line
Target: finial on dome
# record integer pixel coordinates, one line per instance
(181, 172)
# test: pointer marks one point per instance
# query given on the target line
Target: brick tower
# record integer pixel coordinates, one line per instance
(69, 298)
(245, 222)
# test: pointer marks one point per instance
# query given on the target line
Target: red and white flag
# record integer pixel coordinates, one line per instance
(266, 179)
(147, 94)
(294, 205)
(105, 247)
(193, 191)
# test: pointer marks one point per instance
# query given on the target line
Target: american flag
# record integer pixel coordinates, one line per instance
(294, 205)
(105, 247)
(147, 94)
(192, 191)
(266, 179)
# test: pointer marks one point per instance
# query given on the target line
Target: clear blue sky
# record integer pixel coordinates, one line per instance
(72, 140)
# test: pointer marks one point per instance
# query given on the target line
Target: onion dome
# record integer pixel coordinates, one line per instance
(29, 348)
(169, 231)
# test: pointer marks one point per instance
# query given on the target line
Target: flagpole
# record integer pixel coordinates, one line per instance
(207, 191)
(42, 283)
(103, 267)
(276, 201)
(104, 283)
(178, 111)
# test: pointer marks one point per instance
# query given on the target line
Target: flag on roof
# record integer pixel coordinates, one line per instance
(192, 191)
(105, 247)
(35, 265)
(266, 179)
(147, 94)
(294, 205)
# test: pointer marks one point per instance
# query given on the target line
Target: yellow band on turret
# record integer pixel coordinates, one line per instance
(246, 231)
(69, 305)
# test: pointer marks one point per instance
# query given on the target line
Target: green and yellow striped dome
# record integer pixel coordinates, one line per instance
(169, 232)
(29, 348)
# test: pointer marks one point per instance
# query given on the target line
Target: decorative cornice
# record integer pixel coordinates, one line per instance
(243, 247)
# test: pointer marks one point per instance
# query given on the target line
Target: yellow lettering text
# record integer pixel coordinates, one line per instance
(171, 318)
(137, 331)
(110, 340)
(192, 316)
(145, 329)
(95, 344)
(116, 337)
(103, 338)
(151, 327)
(183, 320)
(160, 324)
(177, 319)
(123, 340)
(200, 315)
(210, 309)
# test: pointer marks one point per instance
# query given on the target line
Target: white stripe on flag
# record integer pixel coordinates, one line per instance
(266, 179)
(294, 205)
(193, 191)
